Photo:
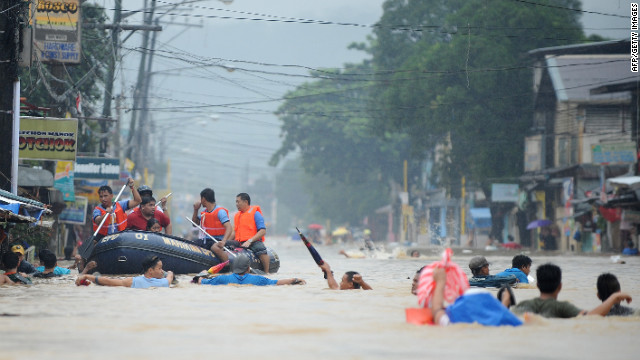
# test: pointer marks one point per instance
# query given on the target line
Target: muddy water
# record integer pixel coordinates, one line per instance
(57, 320)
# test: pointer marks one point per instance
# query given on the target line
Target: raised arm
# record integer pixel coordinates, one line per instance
(604, 308)
(136, 196)
(333, 284)
(196, 207)
(357, 278)
(437, 302)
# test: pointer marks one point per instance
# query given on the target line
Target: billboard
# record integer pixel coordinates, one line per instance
(48, 138)
(504, 193)
(63, 180)
(57, 31)
(621, 153)
(75, 212)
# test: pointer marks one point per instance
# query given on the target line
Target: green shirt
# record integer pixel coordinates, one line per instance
(549, 308)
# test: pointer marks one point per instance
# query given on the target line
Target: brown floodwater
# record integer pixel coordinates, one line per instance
(55, 319)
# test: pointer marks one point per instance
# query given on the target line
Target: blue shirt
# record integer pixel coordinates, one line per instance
(630, 251)
(142, 282)
(246, 279)
(57, 270)
(522, 277)
(257, 217)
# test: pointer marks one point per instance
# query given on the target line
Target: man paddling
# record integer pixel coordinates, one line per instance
(248, 231)
(116, 211)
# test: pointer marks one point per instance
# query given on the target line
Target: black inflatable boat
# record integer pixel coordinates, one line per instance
(123, 253)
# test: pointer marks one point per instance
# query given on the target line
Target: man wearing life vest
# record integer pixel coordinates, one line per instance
(214, 220)
(249, 229)
(117, 220)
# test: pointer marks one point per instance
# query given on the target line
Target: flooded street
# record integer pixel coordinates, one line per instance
(62, 321)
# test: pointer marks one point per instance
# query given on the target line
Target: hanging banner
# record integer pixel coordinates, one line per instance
(75, 212)
(63, 180)
(97, 168)
(48, 138)
(57, 31)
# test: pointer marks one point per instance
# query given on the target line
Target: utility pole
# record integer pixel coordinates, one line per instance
(136, 132)
(108, 89)
(12, 17)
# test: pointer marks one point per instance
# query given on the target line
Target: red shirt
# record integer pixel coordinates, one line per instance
(135, 220)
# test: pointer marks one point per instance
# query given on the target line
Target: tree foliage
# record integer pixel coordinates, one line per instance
(347, 168)
(469, 84)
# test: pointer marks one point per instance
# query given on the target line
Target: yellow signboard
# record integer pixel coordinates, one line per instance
(48, 138)
(57, 31)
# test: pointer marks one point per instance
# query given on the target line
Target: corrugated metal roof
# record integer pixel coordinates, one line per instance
(573, 76)
(8, 197)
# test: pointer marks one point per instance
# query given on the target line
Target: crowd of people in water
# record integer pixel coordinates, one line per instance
(444, 293)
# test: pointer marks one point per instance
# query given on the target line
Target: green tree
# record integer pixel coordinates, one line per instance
(347, 168)
(471, 89)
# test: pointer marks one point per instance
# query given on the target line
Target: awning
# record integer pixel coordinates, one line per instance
(15, 208)
(481, 217)
(626, 181)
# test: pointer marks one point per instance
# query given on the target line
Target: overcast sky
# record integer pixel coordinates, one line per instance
(224, 146)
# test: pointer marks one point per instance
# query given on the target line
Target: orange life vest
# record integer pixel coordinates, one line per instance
(119, 218)
(245, 225)
(211, 224)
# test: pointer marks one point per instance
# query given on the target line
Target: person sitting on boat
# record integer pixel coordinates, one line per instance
(50, 262)
(138, 218)
(153, 276)
(153, 225)
(350, 280)
(240, 268)
(480, 269)
(549, 282)
(214, 220)
(520, 267)
(10, 261)
(248, 231)
(161, 205)
(608, 284)
(116, 211)
(116, 222)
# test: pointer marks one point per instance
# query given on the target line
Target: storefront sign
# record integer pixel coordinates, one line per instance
(97, 168)
(48, 138)
(57, 31)
(621, 153)
(504, 193)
